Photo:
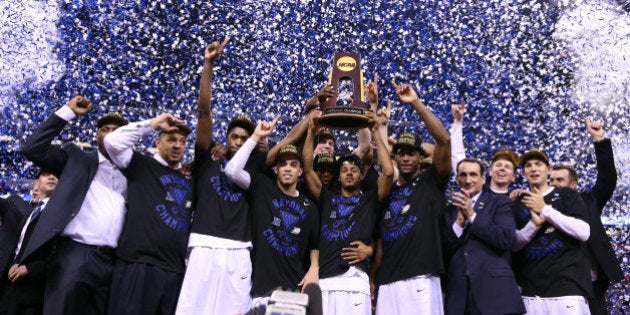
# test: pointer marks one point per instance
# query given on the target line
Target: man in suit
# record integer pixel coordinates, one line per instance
(24, 282)
(604, 264)
(86, 212)
(13, 210)
(479, 235)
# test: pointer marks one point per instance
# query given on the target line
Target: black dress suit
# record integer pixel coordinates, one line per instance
(479, 262)
(75, 170)
(608, 267)
(14, 211)
(26, 294)
(79, 275)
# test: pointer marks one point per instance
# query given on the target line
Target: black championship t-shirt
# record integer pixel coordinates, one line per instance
(553, 264)
(344, 220)
(159, 206)
(221, 207)
(410, 229)
(285, 229)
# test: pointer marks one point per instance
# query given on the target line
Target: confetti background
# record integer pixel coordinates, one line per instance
(530, 71)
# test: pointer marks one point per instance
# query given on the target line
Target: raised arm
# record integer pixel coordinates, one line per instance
(442, 152)
(295, 135)
(606, 181)
(364, 148)
(119, 143)
(320, 97)
(235, 168)
(38, 147)
(386, 178)
(204, 113)
(313, 183)
(458, 152)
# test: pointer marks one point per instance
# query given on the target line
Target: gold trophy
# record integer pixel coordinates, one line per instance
(346, 66)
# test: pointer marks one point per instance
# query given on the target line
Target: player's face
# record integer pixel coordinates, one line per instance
(502, 172)
(235, 139)
(325, 175)
(349, 177)
(469, 178)
(171, 147)
(536, 172)
(408, 161)
(325, 145)
(560, 178)
(100, 135)
(288, 171)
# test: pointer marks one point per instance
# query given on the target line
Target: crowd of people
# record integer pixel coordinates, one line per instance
(114, 231)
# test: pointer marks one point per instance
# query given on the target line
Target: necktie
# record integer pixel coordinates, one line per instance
(37, 210)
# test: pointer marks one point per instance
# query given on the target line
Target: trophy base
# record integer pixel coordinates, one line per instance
(344, 117)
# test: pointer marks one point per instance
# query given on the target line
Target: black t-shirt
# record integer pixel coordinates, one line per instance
(285, 229)
(344, 220)
(410, 229)
(159, 206)
(553, 264)
(221, 207)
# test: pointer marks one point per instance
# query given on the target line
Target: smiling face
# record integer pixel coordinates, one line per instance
(536, 173)
(470, 178)
(502, 173)
(288, 169)
(325, 145)
(408, 160)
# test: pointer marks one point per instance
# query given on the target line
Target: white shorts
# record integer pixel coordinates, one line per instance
(565, 305)
(217, 281)
(348, 293)
(417, 295)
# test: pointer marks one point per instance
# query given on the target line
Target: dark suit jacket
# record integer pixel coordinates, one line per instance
(482, 254)
(29, 289)
(595, 200)
(14, 211)
(75, 170)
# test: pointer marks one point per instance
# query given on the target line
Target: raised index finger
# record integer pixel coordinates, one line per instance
(394, 84)
(225, 41)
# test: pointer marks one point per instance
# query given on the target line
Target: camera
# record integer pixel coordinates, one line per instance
(287, 303)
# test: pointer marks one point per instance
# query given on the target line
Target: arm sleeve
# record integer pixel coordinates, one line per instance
(235, 169)
(524, 236)
(458, 152)
(458, 230)
(119, 143)
(606, 181)
(576, 228)
(496, 229)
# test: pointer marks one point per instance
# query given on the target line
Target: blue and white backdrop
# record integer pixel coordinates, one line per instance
(530, 71)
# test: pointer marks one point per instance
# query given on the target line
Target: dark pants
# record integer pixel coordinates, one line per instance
(21, 309)
(597, 304)
(78, 279)
(139, 288)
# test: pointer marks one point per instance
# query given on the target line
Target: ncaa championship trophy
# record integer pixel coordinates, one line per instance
(346, 66)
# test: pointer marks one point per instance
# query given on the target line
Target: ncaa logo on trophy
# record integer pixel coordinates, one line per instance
(346, 66)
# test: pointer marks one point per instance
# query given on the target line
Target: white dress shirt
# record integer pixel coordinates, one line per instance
(28, 221)
(101, 216)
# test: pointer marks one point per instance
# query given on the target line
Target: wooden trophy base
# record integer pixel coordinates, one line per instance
(344, 117)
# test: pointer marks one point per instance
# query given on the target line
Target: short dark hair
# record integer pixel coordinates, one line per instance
(482, 168)
(573, 177)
